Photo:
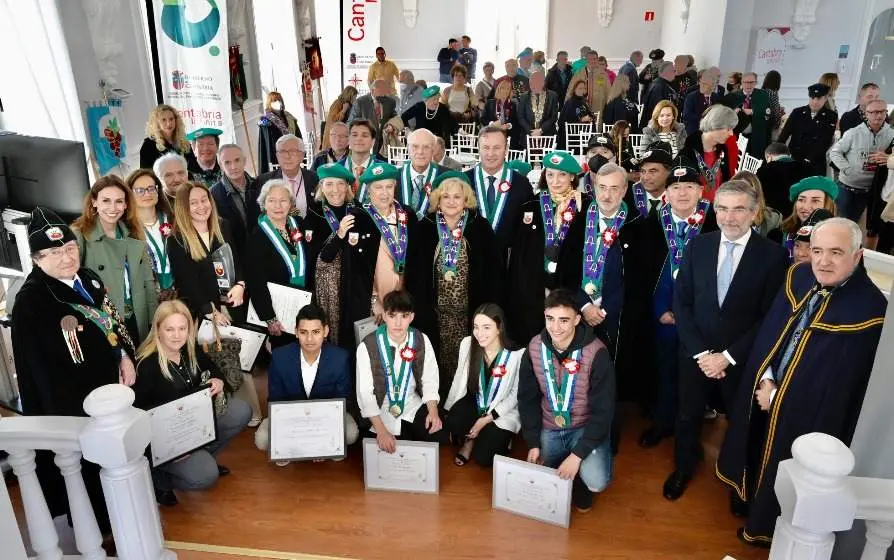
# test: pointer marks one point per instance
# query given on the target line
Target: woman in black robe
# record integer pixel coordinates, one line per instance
(534, 260)
(273, 124)
(455, 267)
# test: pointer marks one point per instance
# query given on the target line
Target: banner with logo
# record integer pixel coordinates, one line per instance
(104, 123)
(360, 38)
(193, 56)
(770, 49)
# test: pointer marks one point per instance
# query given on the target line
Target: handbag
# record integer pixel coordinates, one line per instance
(220, 400)
(224, 353)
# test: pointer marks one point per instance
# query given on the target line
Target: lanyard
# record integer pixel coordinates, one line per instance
(396, 385)
(489, 386)
(493, 215)
(295, 262)
(594, 258)
(407, 187)
(560, 397)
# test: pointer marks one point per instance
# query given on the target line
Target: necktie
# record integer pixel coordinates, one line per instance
(707, 100)
(417, 189)
(293, 185)
(378, 110)
(653, 203)
(79, 288)
(747, 103)
(795, 337)
(725, 274)
(358, 171)
(491, 192)
(681, 231)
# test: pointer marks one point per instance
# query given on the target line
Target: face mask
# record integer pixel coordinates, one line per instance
(276, 105)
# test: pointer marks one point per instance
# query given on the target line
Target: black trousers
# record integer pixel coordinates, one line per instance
(492, 440)
(415, 430)
(695, 391)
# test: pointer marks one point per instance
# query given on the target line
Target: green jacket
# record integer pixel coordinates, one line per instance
(760, 130)
(105, 256)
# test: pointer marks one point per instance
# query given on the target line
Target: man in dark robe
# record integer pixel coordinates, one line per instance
(778, 174)
(807, 371)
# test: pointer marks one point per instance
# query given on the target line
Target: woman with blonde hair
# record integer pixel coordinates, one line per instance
(111, 241)
(273, 124)
(338, 112)
(165, 133)
(830, 79)
(170, 365)
(619, 107)
(767, 220)
(664, 127)
(455, 267)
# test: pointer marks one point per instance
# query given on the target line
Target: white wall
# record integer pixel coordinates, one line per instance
(417, 49)
(573, 24)
(703, 36)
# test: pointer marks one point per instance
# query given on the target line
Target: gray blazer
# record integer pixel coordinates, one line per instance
(651, 135)
(451, 163)
(364, 108)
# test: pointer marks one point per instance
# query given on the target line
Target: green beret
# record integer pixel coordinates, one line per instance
(452, 174)
(380, 171)
(430, 91)
(563, 161)
(335, 171)
(816, 183)
(200, 132)
(520, 166)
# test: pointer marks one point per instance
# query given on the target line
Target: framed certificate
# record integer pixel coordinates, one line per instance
(531, 491)
(363, 327)
(182, 426)
(287, 302)
(413, 467)
(252, 341)
(306, 430)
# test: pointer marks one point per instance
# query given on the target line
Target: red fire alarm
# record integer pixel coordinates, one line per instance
(649, 16)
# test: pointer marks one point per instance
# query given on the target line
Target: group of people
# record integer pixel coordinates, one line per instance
(502, 307)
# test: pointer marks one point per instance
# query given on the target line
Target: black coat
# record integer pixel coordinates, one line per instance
(484, 284)
(441, 124)
(309, 177)
(555, 81)
(152, 389)
(574, 109)
(520, 192)
(149, 152)
(550, 117)
(809, 138)
(622, 109)
(693, 148)
(527, 274)
(489, 115)
(851, 119)
(227, 209)
(659, 90)
(196, 281)
(776, 179)
(50, 382)
(269, 133)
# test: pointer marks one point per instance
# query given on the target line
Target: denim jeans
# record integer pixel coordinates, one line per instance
(851, 203)
(595, 469)
(445, 79)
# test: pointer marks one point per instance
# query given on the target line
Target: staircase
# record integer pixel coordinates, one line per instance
(114, 436)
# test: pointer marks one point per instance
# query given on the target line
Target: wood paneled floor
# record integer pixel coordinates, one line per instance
(323, 509)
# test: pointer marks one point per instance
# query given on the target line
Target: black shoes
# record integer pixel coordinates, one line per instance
(675, 485)
(653, 436)
(222, 470)
(166, 498)
(740, 532)
(581, 496)
(737, 507)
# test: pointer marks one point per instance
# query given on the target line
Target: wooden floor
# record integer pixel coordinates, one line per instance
(322, 509)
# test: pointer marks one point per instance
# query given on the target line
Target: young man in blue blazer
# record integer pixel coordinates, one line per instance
(308, 369)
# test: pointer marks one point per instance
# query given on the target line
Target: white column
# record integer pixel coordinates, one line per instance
(115, 439)
(44, 539)
(814, 498)
(87, 535)
(10, 535)
(879, 536)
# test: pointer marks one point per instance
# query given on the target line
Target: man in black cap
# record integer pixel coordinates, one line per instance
(653, 252)
(600, 150)
(654, 171)
(810, 129)
(650, 72)
(68, 340)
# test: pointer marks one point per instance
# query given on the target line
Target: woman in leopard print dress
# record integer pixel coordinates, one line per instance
(454, 268)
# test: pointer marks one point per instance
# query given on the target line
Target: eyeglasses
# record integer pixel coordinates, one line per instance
(57, 254)
(876, 112)
(288, 152)
(140, 191)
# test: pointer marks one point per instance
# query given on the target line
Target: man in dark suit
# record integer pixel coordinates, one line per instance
(857, 116)
(500, 191)
(303, 182)
(338, 146)
(538, 110)
(699, 99)
(418, 173)
(726, 284)
(659, 90)
(753, 107)
(377, 107)
(309, 369)
(778, 175)
(236, 194)
(559, 75)
(810, 129)
(629, 69)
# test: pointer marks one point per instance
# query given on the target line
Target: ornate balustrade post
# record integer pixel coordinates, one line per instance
(814, 497)
(10, 535)
(879, 535)
(115, 438)
(41, 529)
(88, 538)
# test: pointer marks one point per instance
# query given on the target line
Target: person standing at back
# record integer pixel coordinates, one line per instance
(447, 57)
(383, 69)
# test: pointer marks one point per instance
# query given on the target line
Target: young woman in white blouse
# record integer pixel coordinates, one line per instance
(483, 400)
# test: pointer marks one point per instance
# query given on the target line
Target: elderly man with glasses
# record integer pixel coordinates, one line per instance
(302, 182)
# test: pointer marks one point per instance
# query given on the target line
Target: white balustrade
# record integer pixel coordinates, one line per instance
(44, 539)
(87, 535)
(817, 498)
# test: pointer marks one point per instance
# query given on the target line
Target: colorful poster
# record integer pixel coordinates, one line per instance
(362, 28)
(104, 123)
(770, 48)
(193, 56)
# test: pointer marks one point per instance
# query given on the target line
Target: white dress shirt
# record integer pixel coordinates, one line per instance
(309, 371)
(366, 397)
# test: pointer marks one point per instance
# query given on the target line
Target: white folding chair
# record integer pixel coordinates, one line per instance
(751, 163)
(742, 142)
(512, 155)
(606, 128)
(402, 137)
(465, 144)
(538, 146)
(576, 136)
(636, 143)
(467, 128)
(397, 155)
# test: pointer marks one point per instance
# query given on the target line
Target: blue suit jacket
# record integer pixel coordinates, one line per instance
(284, 381)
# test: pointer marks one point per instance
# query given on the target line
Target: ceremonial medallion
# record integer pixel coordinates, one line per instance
(560, 421)
(69, 323)
(112, 338)
(528, 217)
(449, 276)
(353, 238)
(395, 410)
(551, 267)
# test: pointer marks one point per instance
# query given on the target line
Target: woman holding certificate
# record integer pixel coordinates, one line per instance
(277, 252)
(483, 399)
(453, 269)
(207, 272)
(336, 200)
(170, 366)
(373, 246)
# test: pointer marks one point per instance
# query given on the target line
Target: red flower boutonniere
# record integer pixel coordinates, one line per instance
(695, 219)
(408, 354)
(567, 216)
(608, 237)
(401, 216)
(457, 233)
(166, 229)
(296, 236)
(573, 366)
(427, 188)
(505, 186)
(498, 371)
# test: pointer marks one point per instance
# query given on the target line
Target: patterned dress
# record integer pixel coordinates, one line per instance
(453, 320)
